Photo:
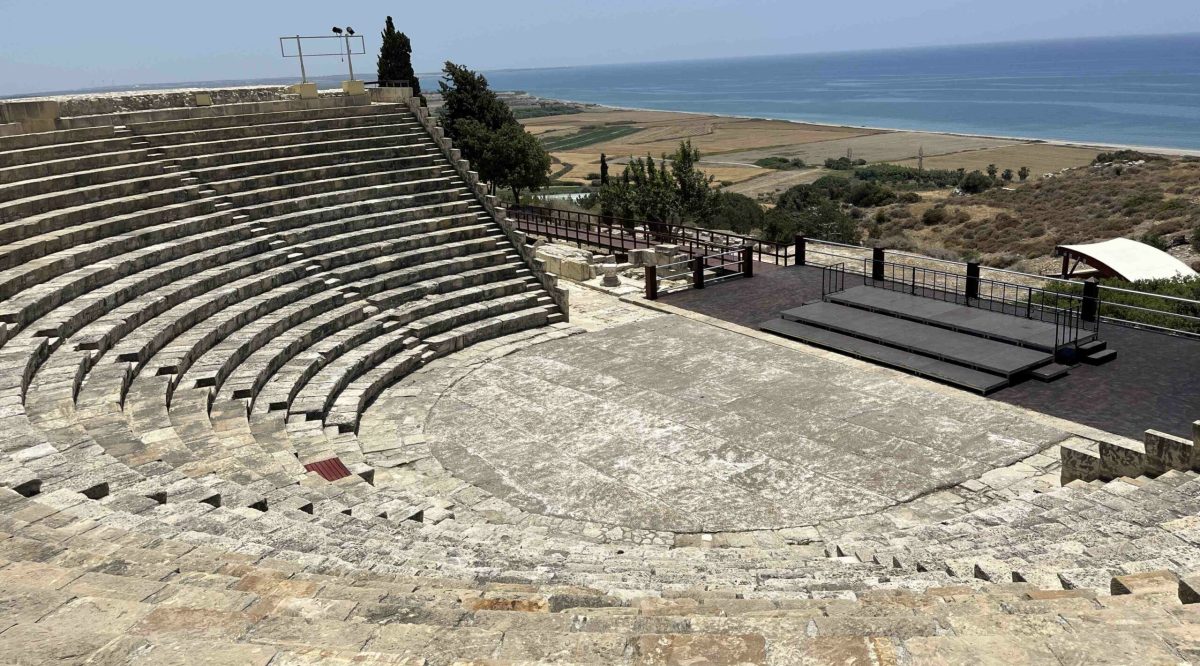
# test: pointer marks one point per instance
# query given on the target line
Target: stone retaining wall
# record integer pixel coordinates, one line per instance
(88, 104)
(1158, 453)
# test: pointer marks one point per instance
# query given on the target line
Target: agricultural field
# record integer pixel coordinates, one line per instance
(587, 137)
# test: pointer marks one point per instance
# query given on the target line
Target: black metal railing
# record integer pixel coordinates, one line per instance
(1167, 314)
(699, 271)
(833, 279)
(617, 233)
(1068, 312)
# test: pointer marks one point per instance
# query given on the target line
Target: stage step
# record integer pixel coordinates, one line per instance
(960, 348)
(1100, 357)
(924, 366)
(1050, 372)
(1089, 348)
(1011, 328)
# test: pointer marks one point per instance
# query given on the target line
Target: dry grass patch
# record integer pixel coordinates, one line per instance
(1041, 158)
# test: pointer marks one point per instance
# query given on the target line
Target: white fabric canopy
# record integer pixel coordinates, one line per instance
(1129, 259)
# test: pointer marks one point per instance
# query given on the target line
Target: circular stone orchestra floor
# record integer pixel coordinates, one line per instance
(671, 424)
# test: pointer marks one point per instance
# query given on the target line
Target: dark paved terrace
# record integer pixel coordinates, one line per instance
(1153, 383)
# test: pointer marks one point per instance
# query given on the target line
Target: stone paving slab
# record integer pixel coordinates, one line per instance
(666, 423)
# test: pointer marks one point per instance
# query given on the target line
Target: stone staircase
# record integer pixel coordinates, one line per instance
(200, 304)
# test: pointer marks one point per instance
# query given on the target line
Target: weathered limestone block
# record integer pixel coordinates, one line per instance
(1150, 582)
(652, 649)
(354, 87)
(1117, 460)
(304, 90)
(390, 95)
(567, 261)
(33, 116)
(1080, 460)
(641, 257)
(1166, 452)
(1189, 588)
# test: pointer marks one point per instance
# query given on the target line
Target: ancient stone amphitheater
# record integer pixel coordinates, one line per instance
(281, 387)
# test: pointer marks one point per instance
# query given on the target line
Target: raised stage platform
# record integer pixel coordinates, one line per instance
(970, 347)
(1016, 330)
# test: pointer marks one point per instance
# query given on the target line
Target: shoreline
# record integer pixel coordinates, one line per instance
(1157, 150)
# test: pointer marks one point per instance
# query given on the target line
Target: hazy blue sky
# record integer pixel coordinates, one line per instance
(57, 45)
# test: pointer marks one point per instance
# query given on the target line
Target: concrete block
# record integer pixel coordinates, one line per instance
(304, 90)
(391, 95)
(1166, 452)
(354, 88)
(1150, 582)
(203, 99)
(1118, 460)
(1080, 460)
(33, 116)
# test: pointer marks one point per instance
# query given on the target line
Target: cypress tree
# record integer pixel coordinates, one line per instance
(395, 58)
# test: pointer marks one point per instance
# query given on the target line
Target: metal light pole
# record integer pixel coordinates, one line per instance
(349, 59)
(300, 52)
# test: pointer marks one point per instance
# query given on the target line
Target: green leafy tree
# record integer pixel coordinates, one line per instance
(824, 220)
(697, 199)
(737, 213)
(809, 210)
(514, 159)
(488, 134)
(603, 169)
(1023, 173)
(1007, 175)
(395, 59)
(991, 171)
(467, 98)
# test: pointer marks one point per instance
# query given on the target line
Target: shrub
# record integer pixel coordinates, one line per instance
(902, 176)
(1155, 241)
(975, 182)
(1126, 156)
(781, 163)
(1196, 239)
(843, 163)
(869, 195)
(1111, 301)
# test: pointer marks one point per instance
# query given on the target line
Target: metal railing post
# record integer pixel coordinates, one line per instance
(801, 241)
(651, 282)
(972, 279)
(877, 261)
(1090, 310)
(748, 261)
(698, 272)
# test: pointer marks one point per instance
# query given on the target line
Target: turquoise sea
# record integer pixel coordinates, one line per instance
(1133, 90)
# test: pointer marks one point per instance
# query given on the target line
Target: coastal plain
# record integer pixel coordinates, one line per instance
(731, 146)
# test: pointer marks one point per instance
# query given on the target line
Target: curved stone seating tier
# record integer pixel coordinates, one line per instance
(200, 306)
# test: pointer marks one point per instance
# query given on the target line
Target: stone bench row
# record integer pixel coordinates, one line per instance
(90, 202)
(36, 139)
(205, 113)
(249, 376)
(394, 335)
(1024, 540)
(165, 242)
(127, 152)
